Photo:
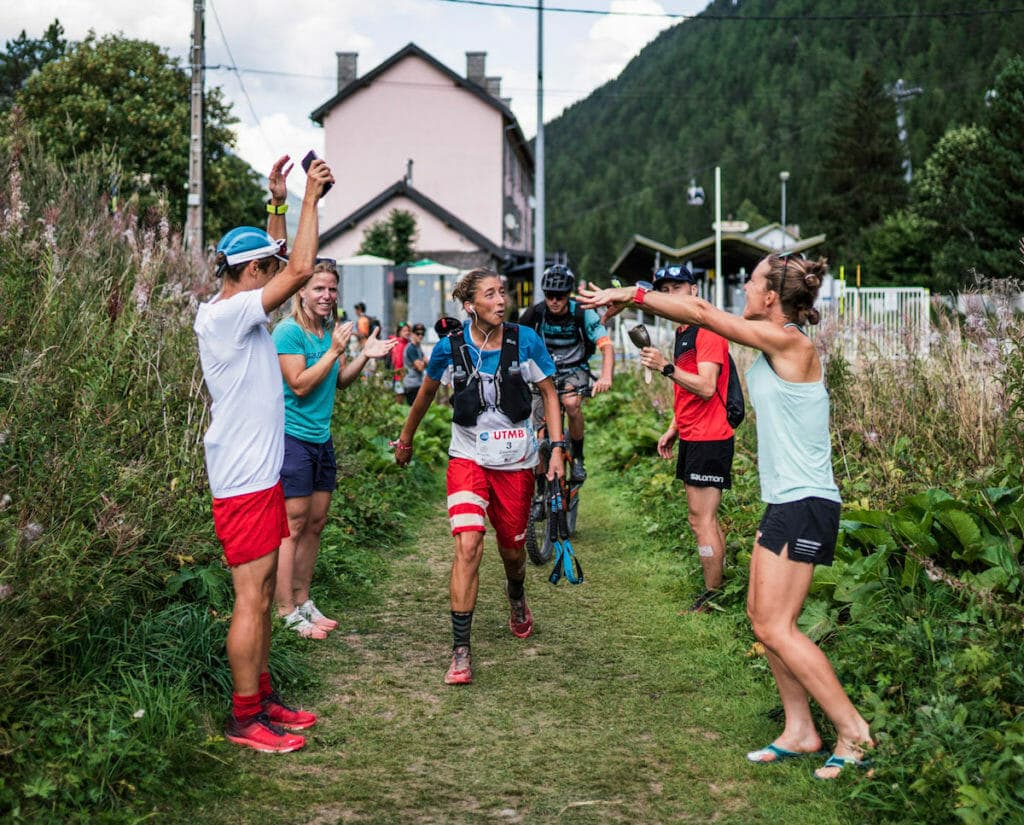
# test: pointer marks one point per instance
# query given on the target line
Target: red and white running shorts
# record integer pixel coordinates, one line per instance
(251, 525)
(504, 495)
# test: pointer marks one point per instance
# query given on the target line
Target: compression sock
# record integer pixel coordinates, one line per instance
(515, 589)
(461, 623)
(576, 444)
(265, 688)
(245, 707)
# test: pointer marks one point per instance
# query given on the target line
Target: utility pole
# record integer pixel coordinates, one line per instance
(194, 210)
(538, 215)
(900, 92)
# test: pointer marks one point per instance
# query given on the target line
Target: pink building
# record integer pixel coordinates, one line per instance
(412, 134)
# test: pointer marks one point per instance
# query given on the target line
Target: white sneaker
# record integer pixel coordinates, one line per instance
(305, 628)
(311, 614)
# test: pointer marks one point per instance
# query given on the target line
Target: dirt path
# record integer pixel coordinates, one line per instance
(617, 709)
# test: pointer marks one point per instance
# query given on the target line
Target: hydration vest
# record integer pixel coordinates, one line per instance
(512, 394)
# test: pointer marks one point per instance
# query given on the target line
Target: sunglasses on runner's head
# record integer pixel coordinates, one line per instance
(785, 263)
(331, 262)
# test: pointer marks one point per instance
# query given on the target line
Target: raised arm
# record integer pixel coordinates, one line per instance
(277, 226)
(300, 262)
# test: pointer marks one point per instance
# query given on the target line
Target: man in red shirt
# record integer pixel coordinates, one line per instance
(700, 372)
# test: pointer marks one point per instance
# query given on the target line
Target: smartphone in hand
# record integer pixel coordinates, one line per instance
(306, 161)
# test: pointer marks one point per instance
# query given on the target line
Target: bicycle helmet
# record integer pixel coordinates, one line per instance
(558, 278)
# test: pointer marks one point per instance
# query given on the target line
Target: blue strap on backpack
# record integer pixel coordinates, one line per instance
(566, 564)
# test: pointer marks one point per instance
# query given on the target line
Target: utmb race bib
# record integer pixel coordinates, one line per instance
(496, 448)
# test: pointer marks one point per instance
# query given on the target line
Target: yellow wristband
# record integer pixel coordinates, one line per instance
(278, 209)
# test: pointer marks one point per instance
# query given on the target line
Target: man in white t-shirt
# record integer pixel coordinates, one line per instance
(245, 448)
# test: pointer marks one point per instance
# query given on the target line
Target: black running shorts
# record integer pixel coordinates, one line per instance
(705, 463)
(808, 527)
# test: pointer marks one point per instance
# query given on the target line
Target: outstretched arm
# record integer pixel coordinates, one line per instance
(688, 309)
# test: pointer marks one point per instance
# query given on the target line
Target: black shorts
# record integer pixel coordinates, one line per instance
(308, 467)
(706, 463)
(808, 527)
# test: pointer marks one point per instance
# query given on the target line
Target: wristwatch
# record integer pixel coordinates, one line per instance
(668, 370)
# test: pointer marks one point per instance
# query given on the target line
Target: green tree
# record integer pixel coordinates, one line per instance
(131, 97)
(393, 237)
(898, 251)
(24, 56)
(862, 174)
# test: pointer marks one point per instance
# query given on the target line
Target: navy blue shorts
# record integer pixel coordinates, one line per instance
(706, 463)
(308, 467)
(809, 528)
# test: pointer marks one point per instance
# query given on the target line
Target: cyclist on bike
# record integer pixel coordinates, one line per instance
(571, 335)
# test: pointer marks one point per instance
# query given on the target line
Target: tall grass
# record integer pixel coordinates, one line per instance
(113, 598)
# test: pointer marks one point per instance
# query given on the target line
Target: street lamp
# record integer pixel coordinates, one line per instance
(783, 177)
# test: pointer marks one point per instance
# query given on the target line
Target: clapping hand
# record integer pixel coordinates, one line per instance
(373, 347)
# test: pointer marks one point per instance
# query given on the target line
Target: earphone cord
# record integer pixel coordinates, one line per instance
(480, 351)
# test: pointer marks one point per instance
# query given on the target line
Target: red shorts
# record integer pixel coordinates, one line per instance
(504, 495)
(251, 525)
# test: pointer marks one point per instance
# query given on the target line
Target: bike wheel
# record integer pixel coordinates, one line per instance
(572, 512)
(539, 554)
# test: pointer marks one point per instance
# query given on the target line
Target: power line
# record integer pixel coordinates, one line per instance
(742, 17)
(234, 67)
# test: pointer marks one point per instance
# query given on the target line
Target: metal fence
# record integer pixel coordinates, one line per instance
(864, 322)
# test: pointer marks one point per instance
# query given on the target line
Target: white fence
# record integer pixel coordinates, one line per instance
(865, 322)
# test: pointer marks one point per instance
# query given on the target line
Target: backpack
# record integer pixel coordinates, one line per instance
(513, 394)
(735, 408)
(534, 316)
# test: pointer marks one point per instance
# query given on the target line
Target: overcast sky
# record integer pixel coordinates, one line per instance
(298, 39)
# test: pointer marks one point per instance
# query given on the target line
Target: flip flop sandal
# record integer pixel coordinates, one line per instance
(776, 754)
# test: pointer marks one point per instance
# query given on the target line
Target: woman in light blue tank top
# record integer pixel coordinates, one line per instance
(801, 519)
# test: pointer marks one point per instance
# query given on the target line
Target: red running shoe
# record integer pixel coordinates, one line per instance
(520, 620)
(260, 734)
(285, 716)
(460, 672)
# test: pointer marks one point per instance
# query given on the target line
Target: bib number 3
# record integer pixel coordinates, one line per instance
(497, 448)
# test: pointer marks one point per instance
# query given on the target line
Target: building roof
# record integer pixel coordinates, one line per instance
(637, 259)
(412, 49)
(403, 189)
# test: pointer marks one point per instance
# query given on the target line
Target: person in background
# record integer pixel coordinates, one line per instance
(244, 447)
(794, 460)
(415, 363)
(699, 372)
(571, 334)
(311, 348)
(493, 450)
(397, 358)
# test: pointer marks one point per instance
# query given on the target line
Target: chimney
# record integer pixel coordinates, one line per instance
(494, 86)
(476, 67)
(346, 68)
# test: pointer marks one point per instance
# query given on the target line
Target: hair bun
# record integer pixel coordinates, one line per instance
(812, 279)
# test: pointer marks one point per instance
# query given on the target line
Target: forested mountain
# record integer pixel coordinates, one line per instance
(757, 87)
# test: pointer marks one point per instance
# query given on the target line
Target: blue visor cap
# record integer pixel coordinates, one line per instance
(676, 274)
(248, 243)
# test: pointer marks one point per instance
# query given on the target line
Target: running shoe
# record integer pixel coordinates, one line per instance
(285, 716)
(578, 472)
(702, 604)
(460, 672)
(303, 626)
(260, 734)
(520, 620)
(309, 612)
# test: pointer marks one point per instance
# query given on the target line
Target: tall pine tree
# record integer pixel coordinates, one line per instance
(862, 171)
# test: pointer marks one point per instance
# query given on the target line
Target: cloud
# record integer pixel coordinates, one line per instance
(614, 40)
(279, 134)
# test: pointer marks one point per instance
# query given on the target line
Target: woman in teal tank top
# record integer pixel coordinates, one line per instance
(801, 519)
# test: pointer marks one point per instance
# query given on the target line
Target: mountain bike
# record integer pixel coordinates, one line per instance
(541, 553)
